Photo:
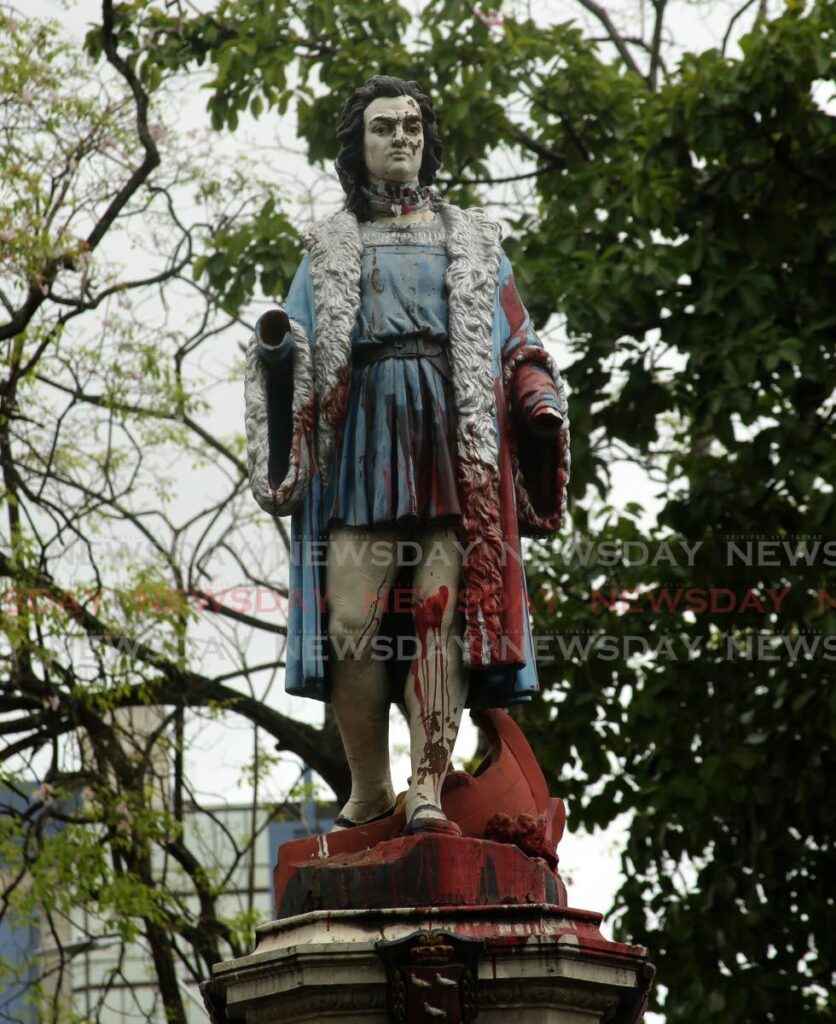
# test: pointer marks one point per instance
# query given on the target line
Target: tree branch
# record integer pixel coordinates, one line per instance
(738, 13)
(178, 685)
(455, 182)
(42, 280)
(212, 604)
(656, 44)
(613, 34)
(152, 157)
(159, 414)
(518, 135)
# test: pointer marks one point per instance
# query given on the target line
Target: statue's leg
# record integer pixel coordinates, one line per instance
(358, 580)
(436, 688)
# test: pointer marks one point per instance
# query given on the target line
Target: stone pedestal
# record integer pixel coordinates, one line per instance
(375, 926)
(537, 964)
(413, 871)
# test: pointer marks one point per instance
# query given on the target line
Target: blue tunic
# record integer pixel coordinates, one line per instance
(396, 454)
(532, 502)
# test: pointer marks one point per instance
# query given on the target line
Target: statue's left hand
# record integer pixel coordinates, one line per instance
(546, 423)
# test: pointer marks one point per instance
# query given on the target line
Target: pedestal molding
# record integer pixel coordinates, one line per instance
(540, 962)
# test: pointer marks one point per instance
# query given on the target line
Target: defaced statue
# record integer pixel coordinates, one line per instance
(402, 410)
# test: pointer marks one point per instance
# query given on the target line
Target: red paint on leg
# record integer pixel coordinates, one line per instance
(429, 614)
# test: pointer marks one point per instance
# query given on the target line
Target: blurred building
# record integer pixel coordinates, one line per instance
(107, 981)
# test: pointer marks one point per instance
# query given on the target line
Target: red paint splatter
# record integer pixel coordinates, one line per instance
(335, 402)
(512, 307)
(482, 569)
(526, 832)
(428, 615)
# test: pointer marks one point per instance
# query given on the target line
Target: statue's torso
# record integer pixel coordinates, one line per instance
(396, 458)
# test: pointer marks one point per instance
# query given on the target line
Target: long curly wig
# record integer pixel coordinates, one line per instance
(351, 164)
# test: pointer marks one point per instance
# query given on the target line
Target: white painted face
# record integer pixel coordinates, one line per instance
(393, 142)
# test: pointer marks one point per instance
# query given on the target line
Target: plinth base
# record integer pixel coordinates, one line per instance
(413, 871)
(546, 964)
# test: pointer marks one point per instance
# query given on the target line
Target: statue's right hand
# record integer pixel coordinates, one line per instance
(272, 327)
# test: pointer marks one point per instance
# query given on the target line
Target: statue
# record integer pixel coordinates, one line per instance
(403, 411)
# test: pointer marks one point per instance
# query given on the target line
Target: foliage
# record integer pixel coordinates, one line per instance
(115, 615)
(694, 252)
(682, 223)
(676, 211)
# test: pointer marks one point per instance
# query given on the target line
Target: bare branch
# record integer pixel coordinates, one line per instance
(177, 684)
(212, 604)
(152, 157)
(456, 182)
(159, 414)
(43, 280)
(737, 14)
(518, 135)
(656, 45)
(613, 34)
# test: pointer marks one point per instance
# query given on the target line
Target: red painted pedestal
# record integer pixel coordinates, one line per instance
(414, 871)
(507, 852)
(379, 928)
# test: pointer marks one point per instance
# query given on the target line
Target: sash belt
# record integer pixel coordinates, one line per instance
(408, 346)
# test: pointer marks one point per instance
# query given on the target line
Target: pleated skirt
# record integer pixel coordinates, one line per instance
(396, 458)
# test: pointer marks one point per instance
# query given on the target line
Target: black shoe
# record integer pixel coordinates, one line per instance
(440, 826)
(348, 823)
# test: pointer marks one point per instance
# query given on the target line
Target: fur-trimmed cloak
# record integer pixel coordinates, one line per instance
(511, 481)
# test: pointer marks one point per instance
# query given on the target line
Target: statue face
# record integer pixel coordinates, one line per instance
(393, 142)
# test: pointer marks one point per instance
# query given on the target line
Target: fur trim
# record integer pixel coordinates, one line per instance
(473, 246)
(336, 264)
(280, 500)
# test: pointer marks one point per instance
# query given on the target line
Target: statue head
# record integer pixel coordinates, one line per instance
(386, 105)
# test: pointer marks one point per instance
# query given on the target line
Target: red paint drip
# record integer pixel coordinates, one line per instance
(428, 615)
(335, 402)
